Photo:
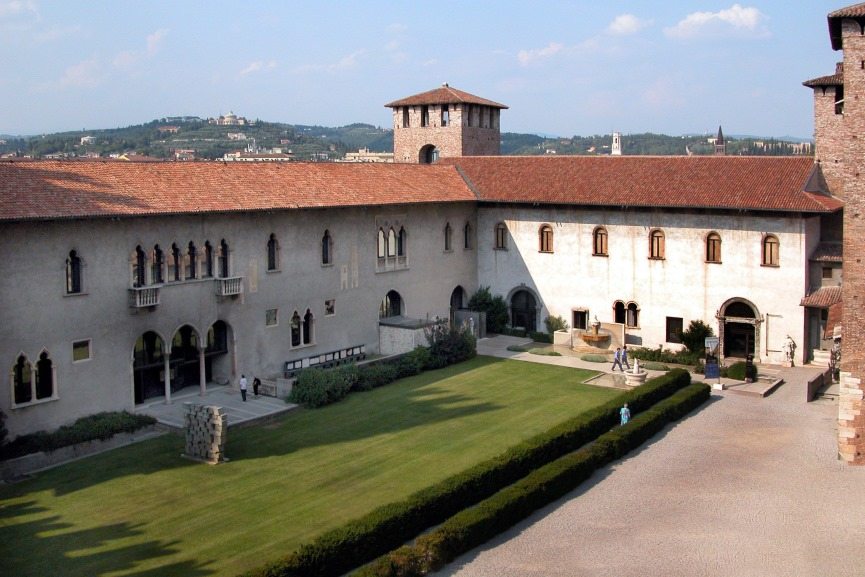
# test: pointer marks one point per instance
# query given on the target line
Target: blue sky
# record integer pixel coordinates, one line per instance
(563, 68)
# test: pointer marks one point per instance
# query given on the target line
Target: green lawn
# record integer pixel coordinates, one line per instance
(144, 511)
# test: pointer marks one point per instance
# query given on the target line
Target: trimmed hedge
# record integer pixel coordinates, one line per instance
(540, 337)
(386, 528)
(472, 527)
(99, 426)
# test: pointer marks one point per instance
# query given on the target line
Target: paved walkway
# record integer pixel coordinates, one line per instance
(746, 486)
(253, 410)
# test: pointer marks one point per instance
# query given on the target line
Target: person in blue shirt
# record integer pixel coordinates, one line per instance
(625, 414)
(617, 360)
(624, 358)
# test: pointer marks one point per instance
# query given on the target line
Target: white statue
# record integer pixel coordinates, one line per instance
(789, 348)
(472, 325)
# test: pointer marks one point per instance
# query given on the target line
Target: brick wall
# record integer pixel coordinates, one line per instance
(829, 137)
(851, 420)
(455, 139)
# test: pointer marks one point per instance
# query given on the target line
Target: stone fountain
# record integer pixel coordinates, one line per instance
(636, 376)
(594, 338)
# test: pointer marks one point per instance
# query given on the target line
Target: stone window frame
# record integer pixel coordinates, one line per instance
(272, 260)
(89, 348)
(271, 317)
(545, 238)
(448, 237)
(770, 253)
(501, 236)
(467, 237)
(600, 239)
(673, 330)
(713, 248)
(657, 244)
(74, 273)
(22, 363)
(327, 248)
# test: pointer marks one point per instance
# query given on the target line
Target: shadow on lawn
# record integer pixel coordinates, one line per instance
(62, 550)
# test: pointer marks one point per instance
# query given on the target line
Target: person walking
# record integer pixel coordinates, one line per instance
(243, 387)
(625, 357)
(256, 382)
(625, 414)
(617, 359)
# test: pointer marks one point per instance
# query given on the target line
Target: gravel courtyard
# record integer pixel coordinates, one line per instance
(744, 487)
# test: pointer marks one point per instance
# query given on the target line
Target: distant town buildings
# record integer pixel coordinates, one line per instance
(85, 140)
(364, 155)
(230, 119)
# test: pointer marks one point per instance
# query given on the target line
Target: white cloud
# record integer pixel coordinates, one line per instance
(258, 66)
(85, 74)
(57, 33)
(127, 59)
(736, 19)
(625, 24)
(526, 57)
(344, 63)
(17, 8)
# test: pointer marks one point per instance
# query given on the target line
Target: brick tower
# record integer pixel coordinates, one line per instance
(839, 123)
(720, 143)
(442, 123)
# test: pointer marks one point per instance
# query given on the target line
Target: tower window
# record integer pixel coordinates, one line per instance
(405, 117)
(446, 116)
(424, 115)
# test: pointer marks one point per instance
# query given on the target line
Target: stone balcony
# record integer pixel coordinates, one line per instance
(229, 286)
(143, 297)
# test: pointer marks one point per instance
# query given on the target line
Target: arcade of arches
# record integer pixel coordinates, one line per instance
(157, 374)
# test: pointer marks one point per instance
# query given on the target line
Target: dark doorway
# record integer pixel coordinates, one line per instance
(738, 340)
(185, 367)
(148, 366)
(524, 310)
(457, 301)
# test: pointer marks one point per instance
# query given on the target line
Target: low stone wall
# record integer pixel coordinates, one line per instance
(817, 383)
(27, 464)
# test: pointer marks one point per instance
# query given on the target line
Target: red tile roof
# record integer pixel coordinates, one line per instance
(56, 189)
(723, 182)
(443, 95)
(835, 18)
(822, 298)
(836, 79)
(828, 252)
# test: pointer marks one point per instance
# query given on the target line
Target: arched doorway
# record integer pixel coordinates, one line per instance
(185, 359)
(217, 361)
(524, 310)
(428, 154)
(739, 328)
(457, 301)
(148, 365)
(391, 305)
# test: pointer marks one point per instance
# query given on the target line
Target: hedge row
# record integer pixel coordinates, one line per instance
(474, 526)
(100, 426)
(386, 528)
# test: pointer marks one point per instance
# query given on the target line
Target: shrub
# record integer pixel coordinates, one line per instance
(3, 431)
(495, 307)
(512, 332)
(556, 324)
(594, 358)
(517, 349)
(739, 371)
(413, 363)
(653, 366)
(540, 337)
(449, 345)
(101, 426)
(377, 375)
(694, 337)
(545, 352)
(317, 387)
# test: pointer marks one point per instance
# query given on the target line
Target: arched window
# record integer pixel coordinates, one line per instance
(382, 243)
(308, 321)
(599, 241)
(448, 237)
(192, 261)
(44, 377)
(713, 247)
(22, 380)
(391, 305)
(295, 330)
(467, 236)
(157, 263)
(139, 267)
(524, 310)
(391, 243)
(208, 259)
(223, 259)
(401, 242)
(771, 248)
(326, 248)
(272, 253)
(545, 238)
(619, 312)
(73, 273)
(174, 263)
(632, 315)
(501, 236)
(656, 244)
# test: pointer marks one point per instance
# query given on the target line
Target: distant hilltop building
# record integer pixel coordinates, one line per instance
(364, 155)
(168, 129)
(231, 119)
(85, 140)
